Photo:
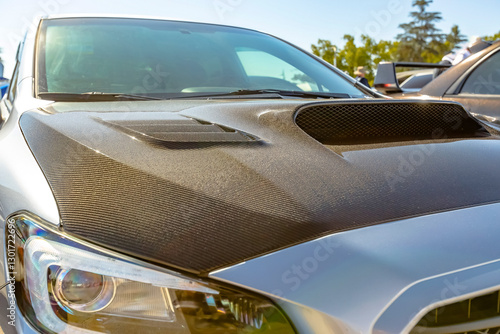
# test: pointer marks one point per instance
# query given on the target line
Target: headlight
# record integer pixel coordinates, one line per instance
(67, 285)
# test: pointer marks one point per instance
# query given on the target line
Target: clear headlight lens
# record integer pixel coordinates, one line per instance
(82, 290)
(74, 287)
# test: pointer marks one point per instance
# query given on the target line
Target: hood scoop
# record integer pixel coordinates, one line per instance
(386, 121)
(179, 129)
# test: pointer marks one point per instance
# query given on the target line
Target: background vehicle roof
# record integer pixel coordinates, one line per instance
(440, 85)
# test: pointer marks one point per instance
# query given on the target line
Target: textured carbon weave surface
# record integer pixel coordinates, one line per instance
(353, 122)
(203, 207)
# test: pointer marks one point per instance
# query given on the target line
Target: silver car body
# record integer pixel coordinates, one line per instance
(376, 279)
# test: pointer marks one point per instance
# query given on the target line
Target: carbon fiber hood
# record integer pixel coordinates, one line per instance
(199, 185)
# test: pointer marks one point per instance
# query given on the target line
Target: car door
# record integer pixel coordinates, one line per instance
(479, 88)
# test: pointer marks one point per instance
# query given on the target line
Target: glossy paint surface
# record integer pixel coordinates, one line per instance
(381, 277)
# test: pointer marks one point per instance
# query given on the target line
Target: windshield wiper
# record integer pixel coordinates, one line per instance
(281, 93)
(291, 93)
(100, 96)
(94, 96)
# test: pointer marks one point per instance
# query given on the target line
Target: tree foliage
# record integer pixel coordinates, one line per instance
(368, 54)
(420, 41)
(452, 42)
(421, 36)
(492, 38)
(455, 38)
(324, 50)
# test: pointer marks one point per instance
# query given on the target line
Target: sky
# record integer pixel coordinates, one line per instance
(297, 21)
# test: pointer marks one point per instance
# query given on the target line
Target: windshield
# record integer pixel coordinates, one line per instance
(168, 59)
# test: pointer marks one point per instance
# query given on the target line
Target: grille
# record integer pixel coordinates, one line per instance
(341, 123)
(476, 315)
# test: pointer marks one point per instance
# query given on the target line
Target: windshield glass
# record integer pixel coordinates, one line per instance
(172, 59)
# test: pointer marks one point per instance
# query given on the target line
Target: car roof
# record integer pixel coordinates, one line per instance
(139, 17)
(440, 85)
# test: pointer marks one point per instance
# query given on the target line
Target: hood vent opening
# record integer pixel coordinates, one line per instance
(386, 121)
(475, 315)
(186, 130)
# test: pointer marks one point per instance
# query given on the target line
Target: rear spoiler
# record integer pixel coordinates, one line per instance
(386, 81)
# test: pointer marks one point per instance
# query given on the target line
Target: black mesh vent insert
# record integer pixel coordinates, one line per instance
(343, 123)
(476, 315)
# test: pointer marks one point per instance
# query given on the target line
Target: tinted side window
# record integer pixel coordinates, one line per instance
(485, 79)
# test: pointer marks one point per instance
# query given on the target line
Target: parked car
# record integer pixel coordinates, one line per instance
(413, 81)
(161, 176)
(475, 83)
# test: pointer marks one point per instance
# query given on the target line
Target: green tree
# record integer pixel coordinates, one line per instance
(454, 39)
(451, 42)
(352, 56)
(421, 41)
(384, 51)
(368, 54)
(421, 37)
(492, 38)
(324, 49)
